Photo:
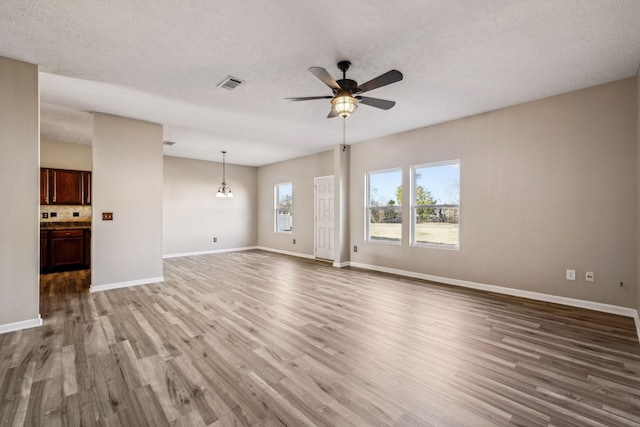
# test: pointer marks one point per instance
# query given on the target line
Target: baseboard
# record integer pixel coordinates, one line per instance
(342, 264)
(213, 251)
(23, 324)
(279, 251)
(606, 308)
(100, 288)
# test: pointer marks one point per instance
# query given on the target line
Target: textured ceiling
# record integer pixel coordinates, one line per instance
(161, 61)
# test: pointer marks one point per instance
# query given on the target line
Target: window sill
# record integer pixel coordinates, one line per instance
(384, 242)
(436, 246)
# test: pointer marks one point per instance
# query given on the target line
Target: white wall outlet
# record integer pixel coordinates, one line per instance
(588, 276)
(571, 275)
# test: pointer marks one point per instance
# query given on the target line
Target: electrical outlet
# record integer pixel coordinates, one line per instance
(53, 214)
(45, 214)
(215, 240)
(294, 241)
(76, 214)
(107, 216)
(588, 276)
(355, 249)
(571, 275)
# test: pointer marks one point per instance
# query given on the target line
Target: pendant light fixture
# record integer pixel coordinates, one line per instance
(224, 191)
(344, 104)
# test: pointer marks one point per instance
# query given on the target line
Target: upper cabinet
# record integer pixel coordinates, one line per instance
(44, 186)
(86, 186)
(65, 187)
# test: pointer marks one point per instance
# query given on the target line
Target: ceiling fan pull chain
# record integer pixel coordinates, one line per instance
(344, 134)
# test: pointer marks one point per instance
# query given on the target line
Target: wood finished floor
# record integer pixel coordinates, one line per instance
(254, 338)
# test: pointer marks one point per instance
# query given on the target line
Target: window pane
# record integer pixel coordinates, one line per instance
(284, 207)
(385, 224)
(438, 185)
(284, 221)
(385, 188)
(285, 196)
(437, 226)
(384, 211)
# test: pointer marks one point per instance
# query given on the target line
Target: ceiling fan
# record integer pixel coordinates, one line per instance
(346, 92)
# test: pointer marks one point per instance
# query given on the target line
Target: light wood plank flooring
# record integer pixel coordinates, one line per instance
(254, 338)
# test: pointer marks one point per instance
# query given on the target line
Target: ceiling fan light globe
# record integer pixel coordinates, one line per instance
(344, 105)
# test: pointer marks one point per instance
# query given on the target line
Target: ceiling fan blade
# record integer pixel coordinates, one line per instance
(383, 80)
(325, 77)
(308, 98)
(332, 114)
(377, 102)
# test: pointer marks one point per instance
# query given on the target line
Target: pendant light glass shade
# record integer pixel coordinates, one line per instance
(223, 190)
(344, 105)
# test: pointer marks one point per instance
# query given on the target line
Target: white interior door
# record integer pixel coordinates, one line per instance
(324, 217)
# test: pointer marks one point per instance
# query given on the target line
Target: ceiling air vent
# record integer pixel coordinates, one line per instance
(230, 83)
(169, 143)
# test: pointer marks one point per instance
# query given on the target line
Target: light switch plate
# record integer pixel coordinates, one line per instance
(571, 275)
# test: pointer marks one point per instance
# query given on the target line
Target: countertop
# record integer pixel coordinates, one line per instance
(65, 225)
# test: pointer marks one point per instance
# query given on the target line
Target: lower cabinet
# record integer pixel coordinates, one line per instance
(44, 250)
(62, 250)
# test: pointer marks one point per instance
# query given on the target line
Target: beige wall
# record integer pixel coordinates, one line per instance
(638, 187)
(545, 186)
(300, 172)
(127, 180)
(193, 215)
(65, 155)
(19, 232)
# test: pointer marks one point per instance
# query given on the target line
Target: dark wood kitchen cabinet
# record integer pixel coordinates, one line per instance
(44, 249)
(65, 187)
(86, 187)
(44, 186)
(62, 250)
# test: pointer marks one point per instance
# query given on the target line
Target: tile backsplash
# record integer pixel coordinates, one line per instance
(65, 213)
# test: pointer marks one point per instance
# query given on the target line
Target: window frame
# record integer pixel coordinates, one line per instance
(277, 209)
(367, 207)
(413, 206)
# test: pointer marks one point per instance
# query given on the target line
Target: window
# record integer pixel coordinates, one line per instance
(384, 206)
(284, 207)
(436, 204)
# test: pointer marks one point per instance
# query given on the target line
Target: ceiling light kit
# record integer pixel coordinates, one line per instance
(224, 191)
(346, 92)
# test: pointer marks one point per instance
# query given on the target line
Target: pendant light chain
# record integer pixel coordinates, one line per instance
(224, 170)
(224, 191)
